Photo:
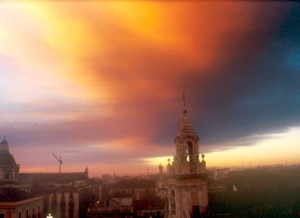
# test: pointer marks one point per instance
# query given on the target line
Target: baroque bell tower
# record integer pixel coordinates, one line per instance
(186, 159)
(186, 177)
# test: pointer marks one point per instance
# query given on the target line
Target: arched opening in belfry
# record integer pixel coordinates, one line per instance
(189, 150)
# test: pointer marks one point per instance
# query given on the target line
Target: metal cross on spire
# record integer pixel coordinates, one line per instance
(184, 109)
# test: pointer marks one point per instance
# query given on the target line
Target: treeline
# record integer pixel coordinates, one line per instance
(260, 192)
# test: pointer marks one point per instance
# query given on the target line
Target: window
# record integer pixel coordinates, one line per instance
(7, 177)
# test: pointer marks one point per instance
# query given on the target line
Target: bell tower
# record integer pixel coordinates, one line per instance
(186, 178)
(186, 159)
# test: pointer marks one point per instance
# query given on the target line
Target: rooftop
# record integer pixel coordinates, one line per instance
(13, 195)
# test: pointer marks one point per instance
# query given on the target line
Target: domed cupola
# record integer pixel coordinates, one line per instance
(9, 169)
(4, 145)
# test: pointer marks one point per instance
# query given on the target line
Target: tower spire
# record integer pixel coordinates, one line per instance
(184, 109)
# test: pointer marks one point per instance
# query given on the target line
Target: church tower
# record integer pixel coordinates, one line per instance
(186, 178)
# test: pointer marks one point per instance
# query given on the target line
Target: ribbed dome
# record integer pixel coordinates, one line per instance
(6, 159)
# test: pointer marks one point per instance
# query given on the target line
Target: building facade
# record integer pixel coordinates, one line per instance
(15, 203)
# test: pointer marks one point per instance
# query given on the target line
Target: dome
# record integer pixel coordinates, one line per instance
(6, 159)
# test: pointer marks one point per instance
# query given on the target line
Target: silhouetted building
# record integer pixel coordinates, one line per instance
(128, 196)
(64, 195)
(15, 203)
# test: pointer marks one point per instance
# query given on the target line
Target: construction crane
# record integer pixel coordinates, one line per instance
(59, 161)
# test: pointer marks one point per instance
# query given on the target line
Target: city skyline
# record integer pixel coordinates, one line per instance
(100, 83)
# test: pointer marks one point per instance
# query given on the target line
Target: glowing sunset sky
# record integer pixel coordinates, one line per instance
(100, 83)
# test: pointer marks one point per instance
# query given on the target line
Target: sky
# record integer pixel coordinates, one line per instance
(100, 83)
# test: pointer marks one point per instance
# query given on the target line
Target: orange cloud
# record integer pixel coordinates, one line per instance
(128, 59)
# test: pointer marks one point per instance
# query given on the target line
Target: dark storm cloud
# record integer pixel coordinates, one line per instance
(251, 88)
(255, 89)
